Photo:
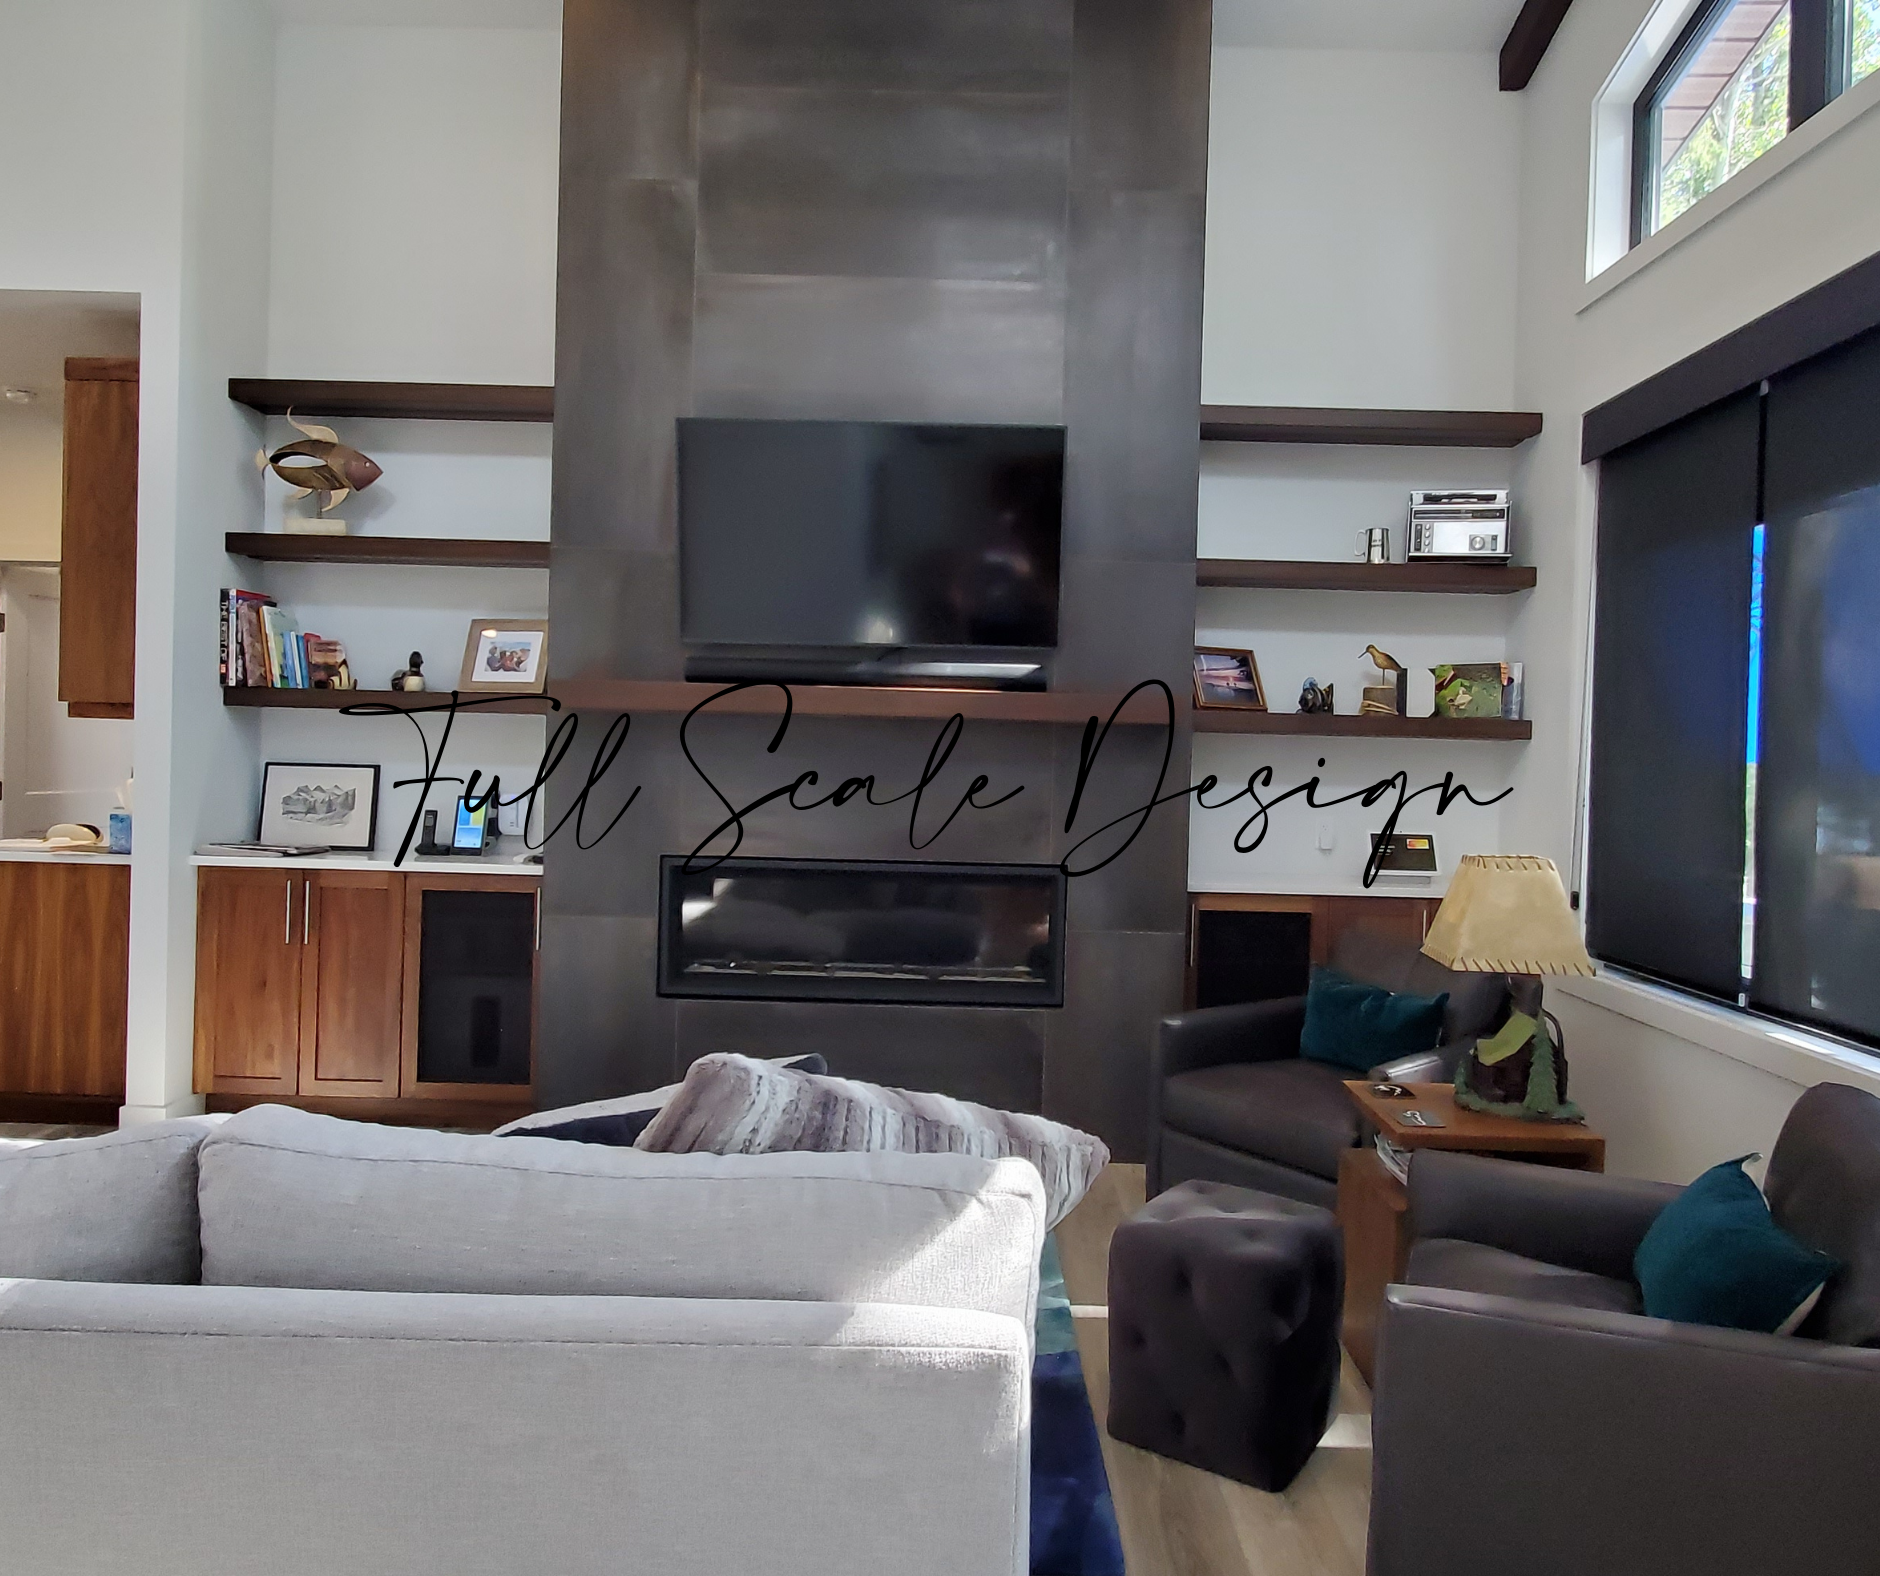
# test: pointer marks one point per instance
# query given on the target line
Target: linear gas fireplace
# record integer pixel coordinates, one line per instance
(846, 930)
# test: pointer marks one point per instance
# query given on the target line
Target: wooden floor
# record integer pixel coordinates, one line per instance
(1177, 1521)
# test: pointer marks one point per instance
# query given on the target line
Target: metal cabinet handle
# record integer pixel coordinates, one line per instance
(306, 907)
(287, 918)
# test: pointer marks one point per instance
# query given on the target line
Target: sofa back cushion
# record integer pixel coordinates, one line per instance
(1823, 1187)
(1477, 1002)
(293, 1199)
(119, 1207)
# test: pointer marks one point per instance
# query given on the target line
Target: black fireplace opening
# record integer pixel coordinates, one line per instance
(862, 931)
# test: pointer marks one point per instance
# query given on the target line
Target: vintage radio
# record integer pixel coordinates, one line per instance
(1460, 525)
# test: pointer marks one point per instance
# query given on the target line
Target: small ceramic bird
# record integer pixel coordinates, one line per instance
(1383, 660)
(335, 472)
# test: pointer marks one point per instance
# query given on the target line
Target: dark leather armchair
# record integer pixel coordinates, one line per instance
(1231, 1100)
(1528, 1417)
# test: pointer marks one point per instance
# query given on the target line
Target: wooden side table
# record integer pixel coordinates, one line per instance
(1373, 1206)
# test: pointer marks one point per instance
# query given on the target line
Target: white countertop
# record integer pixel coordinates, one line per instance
(40, 856)
(502, 865)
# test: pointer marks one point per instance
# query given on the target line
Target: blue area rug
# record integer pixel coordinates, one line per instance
(1073, 1522)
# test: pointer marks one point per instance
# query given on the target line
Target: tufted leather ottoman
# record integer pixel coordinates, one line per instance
(1224, 1309)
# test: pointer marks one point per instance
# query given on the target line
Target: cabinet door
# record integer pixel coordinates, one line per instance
(98, 553)
(248, 970)
(64, 952)
(350, 992)
(472, 944)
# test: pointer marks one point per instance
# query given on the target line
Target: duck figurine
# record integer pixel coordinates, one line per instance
(411, 679)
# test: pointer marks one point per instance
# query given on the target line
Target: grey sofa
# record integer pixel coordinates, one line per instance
(1528, 1417)
(1231, 1100)
(302, 1346)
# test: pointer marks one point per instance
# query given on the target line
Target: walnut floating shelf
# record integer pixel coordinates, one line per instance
(674, 698)
(1223, 720)
(1447, 429)
(334, 700)
(413, 401)
(278, 547)
(1272, 574)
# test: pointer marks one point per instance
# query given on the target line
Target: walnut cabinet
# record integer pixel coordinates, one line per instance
(315, 986)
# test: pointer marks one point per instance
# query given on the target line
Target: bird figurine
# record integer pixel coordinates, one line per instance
(1383, 661)
(335, 472)
(1391, 698)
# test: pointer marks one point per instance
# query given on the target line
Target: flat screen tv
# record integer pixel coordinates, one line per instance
(857, 534)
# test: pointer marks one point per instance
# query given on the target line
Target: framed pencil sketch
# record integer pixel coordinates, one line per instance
(305, 803)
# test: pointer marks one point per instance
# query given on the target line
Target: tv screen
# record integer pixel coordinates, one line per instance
(855, 533)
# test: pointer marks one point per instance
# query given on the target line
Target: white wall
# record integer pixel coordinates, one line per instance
(1361, 252)
(445, 143)
(1677, 1095)
(415, 187)
(31, 448)
(1361, 240)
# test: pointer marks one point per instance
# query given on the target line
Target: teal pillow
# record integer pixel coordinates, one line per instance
(1714, 1256)
(1358, 1026)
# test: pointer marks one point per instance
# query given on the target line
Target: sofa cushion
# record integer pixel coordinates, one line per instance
(1494, 1272)
(736, 1105)
(293, 1199)
(1357, 1026)
(621, 1120)
(1714, 1256)
(1477, 1002)
(119, 1207)
(1295, 1112)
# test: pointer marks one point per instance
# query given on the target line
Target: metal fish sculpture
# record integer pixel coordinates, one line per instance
(335, 472)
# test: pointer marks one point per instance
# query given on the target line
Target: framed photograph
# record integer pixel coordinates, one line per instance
(304, 803)
(1225, 677)
(506, 655)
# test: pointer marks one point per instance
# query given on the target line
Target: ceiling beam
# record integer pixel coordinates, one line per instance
(1527, 42)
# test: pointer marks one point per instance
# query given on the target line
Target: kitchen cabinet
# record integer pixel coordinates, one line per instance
(98, 538)
(64, 978)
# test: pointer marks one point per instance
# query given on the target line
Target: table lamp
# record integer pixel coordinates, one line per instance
(1508, 914)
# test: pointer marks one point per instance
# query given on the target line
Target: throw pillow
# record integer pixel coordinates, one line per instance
(619, 1121)
(1359, 1026)
(1714, 1256)
(732, 1105)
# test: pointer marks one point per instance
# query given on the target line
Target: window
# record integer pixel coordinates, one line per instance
(1863, 38)
(1735, 82)
(1734, 838)
(1719, 102)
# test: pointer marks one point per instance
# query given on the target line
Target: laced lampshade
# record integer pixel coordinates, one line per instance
(1507, 914)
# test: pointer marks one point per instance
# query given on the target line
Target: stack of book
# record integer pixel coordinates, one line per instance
(1395, 1157)
(262, 648)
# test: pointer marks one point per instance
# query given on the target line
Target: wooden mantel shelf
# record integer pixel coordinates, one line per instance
(670, 698)
(414, 401)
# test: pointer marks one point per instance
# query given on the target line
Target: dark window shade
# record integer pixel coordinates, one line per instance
(1818, 793)
(1677, 519)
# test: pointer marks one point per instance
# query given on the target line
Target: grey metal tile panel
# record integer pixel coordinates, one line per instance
(629, 89)
(1132, 380)
(613, 614)
(855, 182)
(879, 349)
(972, 1053)
(1140, 95)
(732, 751)
(1144, 885)
(622, 363)
(603, 1030)
(1119, 984)
(985, 46)
(1123, 621)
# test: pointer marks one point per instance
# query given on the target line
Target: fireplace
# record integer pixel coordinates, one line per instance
(862, 931)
